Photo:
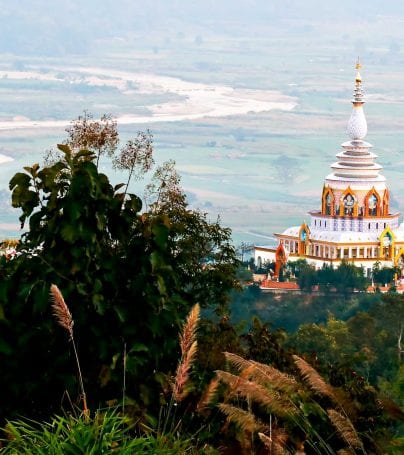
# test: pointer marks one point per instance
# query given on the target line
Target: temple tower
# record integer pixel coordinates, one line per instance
(354, 222)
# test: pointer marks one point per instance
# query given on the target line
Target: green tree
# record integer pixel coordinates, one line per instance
(129, 278)
(329, 342)
(326, 277)
(390, 315)
(383, 275)
(307, 277)
(349, 277)
(295, 267)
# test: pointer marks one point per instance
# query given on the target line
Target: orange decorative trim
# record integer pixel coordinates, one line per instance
(280, 258)
(386, 202)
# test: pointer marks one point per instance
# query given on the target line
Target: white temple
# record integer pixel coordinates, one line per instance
(354, 222)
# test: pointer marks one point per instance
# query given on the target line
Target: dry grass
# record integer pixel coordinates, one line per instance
(245, 420)
(258, 391)
(209, 395)
(61, 310)
(264, 375)
(188, 335)
(269, 399)
(64, 318)
(313, 379)
(345, 429)
(276, 443)
(188, 346)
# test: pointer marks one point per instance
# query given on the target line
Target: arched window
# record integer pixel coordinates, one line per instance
(303, 239)
(328, 202)
(349, 202)
(372, 203)
(386, 245)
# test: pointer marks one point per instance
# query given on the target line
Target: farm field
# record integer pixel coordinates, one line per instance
(253, 126)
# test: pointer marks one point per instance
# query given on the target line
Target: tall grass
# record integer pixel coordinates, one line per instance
(64, 318)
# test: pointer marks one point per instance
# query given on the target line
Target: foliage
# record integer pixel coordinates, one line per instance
(105, 433)
(128, 277)
(328, 341)
(344, 279)
(360, 344)
(383, 275)
(290, 310)
(307, 277)
(264, 344)
(390, 315)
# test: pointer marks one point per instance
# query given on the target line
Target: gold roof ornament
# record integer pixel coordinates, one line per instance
(358, 78)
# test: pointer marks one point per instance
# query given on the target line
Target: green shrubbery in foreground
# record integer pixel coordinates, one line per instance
(129, 276)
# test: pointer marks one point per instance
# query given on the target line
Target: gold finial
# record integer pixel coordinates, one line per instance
(358, 78)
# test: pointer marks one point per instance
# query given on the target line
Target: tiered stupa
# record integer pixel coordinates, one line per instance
(355, 222)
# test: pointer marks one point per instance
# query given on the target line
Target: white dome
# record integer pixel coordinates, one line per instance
(357, 125)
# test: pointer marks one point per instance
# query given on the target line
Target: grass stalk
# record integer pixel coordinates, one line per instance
(64, 318)
(124, 378)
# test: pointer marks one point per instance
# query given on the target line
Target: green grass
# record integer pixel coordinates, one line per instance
(105, 433)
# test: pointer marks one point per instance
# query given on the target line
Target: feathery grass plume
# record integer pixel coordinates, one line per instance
(231, 380)
(345, 404)
(209, 394)
(276, 444)
(61, 310)
(245, 420)
(269, 399)
(314, 380)
(264, 374)
(239, 362)
(188, 335)
(188, 346)
(64, 318)
(180, 390)
(345, 429)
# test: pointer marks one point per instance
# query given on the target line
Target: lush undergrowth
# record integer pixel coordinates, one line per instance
(104, 433)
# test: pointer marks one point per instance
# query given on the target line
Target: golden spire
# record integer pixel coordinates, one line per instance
(358, 78)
